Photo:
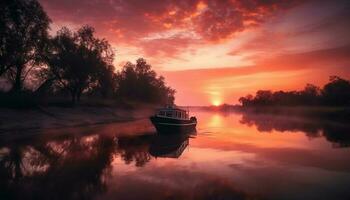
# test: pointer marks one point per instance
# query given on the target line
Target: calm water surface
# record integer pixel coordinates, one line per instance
(232, 156)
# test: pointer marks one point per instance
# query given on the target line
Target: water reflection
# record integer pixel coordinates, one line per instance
(75, 167)
(134, 149)
(170, 146)
(229, 158)
(336, 133)
(63, 168)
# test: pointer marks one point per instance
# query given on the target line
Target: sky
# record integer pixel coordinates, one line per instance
(215, 51)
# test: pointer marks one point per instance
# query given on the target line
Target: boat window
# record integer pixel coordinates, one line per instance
(169, 114)
(162, 113)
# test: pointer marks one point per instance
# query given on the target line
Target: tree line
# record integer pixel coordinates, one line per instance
(74, 63)
(335, 93)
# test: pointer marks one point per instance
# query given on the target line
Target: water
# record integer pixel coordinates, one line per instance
(232, 156)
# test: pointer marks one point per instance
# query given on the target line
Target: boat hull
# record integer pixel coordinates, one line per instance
(169, 125)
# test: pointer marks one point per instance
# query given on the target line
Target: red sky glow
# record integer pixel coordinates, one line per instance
(214, 51)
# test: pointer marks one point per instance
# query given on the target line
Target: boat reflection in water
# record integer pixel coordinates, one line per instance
(170, 145)
(174, 128)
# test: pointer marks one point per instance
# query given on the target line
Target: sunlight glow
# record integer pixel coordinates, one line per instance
(216, 102)
(215, 121)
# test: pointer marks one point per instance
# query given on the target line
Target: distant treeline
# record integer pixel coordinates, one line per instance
(35, 65)
(335, 93)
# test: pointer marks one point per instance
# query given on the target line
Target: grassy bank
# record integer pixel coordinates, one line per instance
(69, 116)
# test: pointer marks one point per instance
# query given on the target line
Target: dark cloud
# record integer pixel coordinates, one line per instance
(315, 25)
(132, 19)
(223, 18)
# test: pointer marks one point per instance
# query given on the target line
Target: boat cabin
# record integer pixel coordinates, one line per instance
(175, 113)
(173, 120)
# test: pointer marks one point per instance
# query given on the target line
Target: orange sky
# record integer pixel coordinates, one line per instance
(213, 52)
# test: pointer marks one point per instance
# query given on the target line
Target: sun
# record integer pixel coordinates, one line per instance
(216, 102)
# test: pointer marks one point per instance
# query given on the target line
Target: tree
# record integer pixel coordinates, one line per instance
(246, 101)
(107, 84)
(311, 90)
(310, 95)
(78, 60)
(23, 38)
(138, 82)
(263, 97)
(336, 92)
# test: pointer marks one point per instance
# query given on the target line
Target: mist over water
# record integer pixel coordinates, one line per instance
(231, 156)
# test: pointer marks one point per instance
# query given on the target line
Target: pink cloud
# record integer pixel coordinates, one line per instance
(129, 21)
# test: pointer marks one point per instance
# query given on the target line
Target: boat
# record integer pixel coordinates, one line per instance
(173, 119)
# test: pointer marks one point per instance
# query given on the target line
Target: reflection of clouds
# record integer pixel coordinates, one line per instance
(174, 182)
(253, 155)
(276, 169)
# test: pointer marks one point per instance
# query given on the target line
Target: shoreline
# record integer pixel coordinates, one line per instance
(53, 117)
(13, 120)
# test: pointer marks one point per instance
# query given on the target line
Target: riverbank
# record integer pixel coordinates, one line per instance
(60, 117)
(340, 114)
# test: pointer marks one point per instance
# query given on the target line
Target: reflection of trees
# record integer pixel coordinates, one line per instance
(69, 168)
(267, 123)
(338, 134)
(134, 149)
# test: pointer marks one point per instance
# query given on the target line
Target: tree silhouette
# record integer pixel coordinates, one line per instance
(310, 95)
(73, 62)
(245, 101)
(336, 92)
(24, 35)
(79, 60)
(139, 82)
(107, 82)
